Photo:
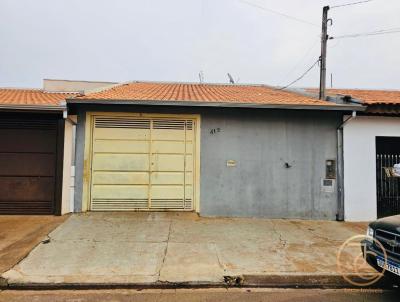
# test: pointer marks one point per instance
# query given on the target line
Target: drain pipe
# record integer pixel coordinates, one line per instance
(67, 118)
(340, 167)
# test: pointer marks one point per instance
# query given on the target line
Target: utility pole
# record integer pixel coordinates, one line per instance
(324, 42)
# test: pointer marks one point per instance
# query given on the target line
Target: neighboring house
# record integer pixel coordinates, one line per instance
(219, 150)
(37, 148)
(371, 149)
(35, 152)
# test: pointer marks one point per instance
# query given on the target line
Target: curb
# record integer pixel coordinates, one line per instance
(3, 283)
(244, 281)
(333, 281)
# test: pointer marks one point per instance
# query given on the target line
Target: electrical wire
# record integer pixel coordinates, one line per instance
(278, 13)
(302, 76)
(352, 3)
(306, 54)
(366, 34)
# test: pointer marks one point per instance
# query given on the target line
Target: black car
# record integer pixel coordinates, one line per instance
(385, 231)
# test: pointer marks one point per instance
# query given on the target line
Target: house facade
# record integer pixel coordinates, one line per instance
(37, 148)
(35, 152)
(371, 142)
(218, 150)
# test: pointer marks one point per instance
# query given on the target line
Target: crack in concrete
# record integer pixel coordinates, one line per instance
(218, 257)
(107, 240)
(165, 251)
(282, 241)
(47, 239)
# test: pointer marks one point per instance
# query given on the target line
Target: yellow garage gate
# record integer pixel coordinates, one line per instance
(142, 163)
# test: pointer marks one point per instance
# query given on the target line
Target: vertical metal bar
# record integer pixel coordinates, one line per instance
(379, 181)
(390, 182)
(396, 187)
(151, 163)
(184, 167)
(385, 184)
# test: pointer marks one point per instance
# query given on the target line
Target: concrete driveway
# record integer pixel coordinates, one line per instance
(143, 248)
(20, 234)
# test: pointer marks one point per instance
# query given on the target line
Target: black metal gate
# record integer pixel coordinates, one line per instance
(388, 185)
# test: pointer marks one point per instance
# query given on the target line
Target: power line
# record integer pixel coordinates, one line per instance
(279, 13)
(306, 54)
(372, 33)
(302, 76)
(352, 3)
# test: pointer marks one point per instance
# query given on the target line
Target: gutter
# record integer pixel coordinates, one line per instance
(65, 114)
(219, 104)
(67, 118)
(34, 107)
(340, 167)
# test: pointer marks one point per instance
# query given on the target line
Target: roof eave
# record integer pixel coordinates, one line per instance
(33, 107)
(218, 104)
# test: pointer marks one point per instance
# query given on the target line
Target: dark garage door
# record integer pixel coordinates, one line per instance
(28, 159)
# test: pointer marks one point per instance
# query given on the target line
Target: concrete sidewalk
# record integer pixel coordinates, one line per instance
(20, 234)
(159, 248)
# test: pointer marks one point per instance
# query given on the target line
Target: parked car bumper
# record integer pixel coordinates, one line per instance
(370, 252)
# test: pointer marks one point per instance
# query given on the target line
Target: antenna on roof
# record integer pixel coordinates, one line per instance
(201, 76)
(231, 80)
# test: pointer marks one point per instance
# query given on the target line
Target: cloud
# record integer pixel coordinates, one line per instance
(173, 40)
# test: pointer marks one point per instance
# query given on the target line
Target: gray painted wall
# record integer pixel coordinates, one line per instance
(260, 141)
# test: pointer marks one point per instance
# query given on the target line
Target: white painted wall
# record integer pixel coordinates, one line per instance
(360, 164)
(68, 167)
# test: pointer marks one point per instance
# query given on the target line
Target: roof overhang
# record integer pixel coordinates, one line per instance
(30, 108)
(218, 104)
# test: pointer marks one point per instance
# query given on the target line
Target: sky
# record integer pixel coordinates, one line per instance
(175, 40)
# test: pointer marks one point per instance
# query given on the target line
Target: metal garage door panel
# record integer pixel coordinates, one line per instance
(168, 162)
(168, 147)
(142, 168)
(120, 192)
(27, 164)
(122, 178)
(168, 135)
(163, 178)
(189, 192)
(167, 192)
(121, 162)
(120, 133)
(189, 163)
(26, 189)
(189, 136)
(189, 178)
(121, 146)
(31, 140)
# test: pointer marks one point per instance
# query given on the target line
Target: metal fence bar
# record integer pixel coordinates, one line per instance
(388, 185)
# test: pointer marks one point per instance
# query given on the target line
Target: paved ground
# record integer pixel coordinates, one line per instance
(175, 248)
(20, 234)
(209, 295)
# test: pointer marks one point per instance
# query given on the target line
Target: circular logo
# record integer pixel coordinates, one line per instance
(352, 262)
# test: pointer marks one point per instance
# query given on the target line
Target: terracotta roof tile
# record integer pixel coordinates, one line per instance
(23, 97)
(217, 93)
(369, 97)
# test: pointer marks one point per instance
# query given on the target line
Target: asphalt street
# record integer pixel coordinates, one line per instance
(194, 295)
